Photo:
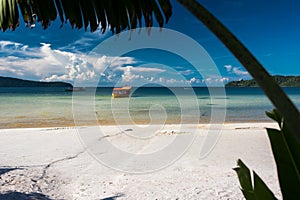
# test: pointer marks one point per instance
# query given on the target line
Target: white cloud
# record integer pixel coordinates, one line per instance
(4, 44)
(45, 63)
(128, 76)
(161, 80)
(194, 80)
(4, 70)
(171, 81)
(228, 68)
(186, 72)
(214, 81)
(20, 62)
(141, 69)
(102, 62)
(235, 70)
(151, 79)
(138, 74)
(224, 79)
(208, 80)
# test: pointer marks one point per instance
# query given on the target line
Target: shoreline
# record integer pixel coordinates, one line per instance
(71, 123)
(226, 126)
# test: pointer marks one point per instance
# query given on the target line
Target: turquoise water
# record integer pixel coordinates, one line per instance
(34, 107)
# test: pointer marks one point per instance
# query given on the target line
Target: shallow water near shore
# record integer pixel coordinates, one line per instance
(52, 107)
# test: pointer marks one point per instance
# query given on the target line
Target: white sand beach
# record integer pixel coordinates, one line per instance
(52, 163)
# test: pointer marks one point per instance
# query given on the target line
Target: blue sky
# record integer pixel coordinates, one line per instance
(270, 29)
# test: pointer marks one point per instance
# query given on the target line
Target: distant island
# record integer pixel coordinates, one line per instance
(283, 81)
(15, 82)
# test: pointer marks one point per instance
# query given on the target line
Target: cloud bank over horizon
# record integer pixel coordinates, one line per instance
(45, 63)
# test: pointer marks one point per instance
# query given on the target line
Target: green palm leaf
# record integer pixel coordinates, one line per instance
(252, 190)
(9, 15)
(119, 14)
(286, 151)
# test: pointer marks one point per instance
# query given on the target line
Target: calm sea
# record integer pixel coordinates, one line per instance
(45, 107)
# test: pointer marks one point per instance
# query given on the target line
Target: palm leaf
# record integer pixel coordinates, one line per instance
(286, 151)
(119, 14)
(9, 15)
(101, 16)
(256, 190)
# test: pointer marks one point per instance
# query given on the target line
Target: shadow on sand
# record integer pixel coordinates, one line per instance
(113, 197)
(7, 169)
(23, 196)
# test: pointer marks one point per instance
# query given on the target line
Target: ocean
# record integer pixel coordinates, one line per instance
(55, 107)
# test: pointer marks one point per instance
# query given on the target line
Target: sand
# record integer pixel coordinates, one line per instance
(53, 163)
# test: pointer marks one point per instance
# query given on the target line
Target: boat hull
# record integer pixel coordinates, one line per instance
(121, 92)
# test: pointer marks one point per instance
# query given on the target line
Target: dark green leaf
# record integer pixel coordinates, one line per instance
(245, 180)
(60, 11)
(293, 145)
(252, 191)
(9, 17)
(26, 12)
(166, 5)
(119, 15)
(287, 164)
(274, 114)
(100, 12)
(261, 189)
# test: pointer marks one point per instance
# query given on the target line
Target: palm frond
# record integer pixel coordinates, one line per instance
(116, 14)
(9, 15)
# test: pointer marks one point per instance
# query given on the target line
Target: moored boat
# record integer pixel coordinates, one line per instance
(121, 92)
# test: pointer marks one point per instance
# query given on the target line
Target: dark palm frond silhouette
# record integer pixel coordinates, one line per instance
(116, 15)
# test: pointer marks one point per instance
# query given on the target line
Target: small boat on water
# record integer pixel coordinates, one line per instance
(121, 92)
(75, 89)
